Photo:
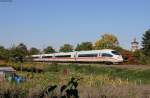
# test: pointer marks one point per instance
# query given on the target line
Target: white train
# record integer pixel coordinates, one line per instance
(107, 56)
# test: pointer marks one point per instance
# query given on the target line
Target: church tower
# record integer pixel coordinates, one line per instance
(134, 45)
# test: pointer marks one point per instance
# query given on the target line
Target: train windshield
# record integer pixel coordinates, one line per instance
(115, 52)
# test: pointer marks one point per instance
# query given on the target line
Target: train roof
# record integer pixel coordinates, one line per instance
(78, 52)
(64, 53)
(95, 51)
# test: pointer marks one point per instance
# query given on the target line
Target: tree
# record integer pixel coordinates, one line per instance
(49, 49)
(33, 51)
(4, 53)
(22, 47)
(146, 43)
(107, 41)
(66, 48)
(18, 53)
(84, 46)
(119, 49)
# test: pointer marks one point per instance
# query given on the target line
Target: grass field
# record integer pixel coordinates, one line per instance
(96, 81)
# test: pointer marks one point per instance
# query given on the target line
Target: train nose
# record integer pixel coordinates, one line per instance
(119, 58)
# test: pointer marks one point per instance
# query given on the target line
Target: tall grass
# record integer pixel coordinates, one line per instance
(90, 86)
(96, 82)
(142, 76)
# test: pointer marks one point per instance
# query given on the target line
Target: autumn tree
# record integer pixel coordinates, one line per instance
(84, 46)
(49, 49)
(146, 43)
(129, 57)
(66, 48)
(106, 41)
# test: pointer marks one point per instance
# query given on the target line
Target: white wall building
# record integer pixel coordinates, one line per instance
(134, 45)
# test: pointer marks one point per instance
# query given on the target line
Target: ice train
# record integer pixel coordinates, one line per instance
(107, 56)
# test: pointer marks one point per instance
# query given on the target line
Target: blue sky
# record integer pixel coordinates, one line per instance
(40, 23)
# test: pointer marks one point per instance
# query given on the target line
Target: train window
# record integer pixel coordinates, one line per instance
(46, 56)
(106, 55)
(87, 55)
(115, 52)
(63, 56)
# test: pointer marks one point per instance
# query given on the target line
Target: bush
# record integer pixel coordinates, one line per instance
(141, 58)
(129, 57)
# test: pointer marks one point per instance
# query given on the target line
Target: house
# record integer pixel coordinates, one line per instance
(6, 72)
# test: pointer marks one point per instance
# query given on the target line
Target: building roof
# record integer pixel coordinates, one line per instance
(7, 69)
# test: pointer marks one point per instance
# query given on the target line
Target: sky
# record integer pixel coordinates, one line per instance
(40, 23)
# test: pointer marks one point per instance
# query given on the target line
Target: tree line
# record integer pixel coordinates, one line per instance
(106, 41)
(21, 50)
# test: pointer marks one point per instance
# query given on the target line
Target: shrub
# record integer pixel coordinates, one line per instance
(142, 59)
(129, 57)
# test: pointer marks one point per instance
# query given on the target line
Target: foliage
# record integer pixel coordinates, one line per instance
(84, 46)
(87, 70)
(70, 89)
(23, 48)
(67, 91)
(141, 57)
(114, 72)
(49, 49)
(129, 57)
(119, 49)
(146, 43)
(18, 53)
(11, 90)
(33, 67)
(33, 51)
(106, 41)
(144, 60)
(4, 53)
(54, 67)
(66, 48)
(100, 80)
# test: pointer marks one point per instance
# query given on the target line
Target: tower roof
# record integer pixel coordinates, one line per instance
(134, 41)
